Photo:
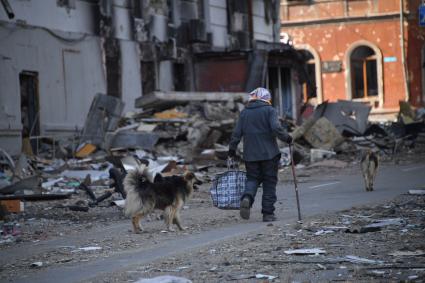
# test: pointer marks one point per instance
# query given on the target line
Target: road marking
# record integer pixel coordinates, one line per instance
(324, 185)
(412, 168)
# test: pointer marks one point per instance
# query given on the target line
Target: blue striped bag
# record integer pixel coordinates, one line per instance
(227, 189)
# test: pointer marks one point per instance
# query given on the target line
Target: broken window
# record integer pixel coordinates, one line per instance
(308, 87)
(29, 105)
(113, 66)
(147, 70)
(240, 23)
(364, 73)
(179, 78)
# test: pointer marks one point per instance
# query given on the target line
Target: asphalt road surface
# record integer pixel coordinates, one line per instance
(325, 194)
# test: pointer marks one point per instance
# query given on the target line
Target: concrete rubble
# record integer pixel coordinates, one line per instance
(180, 131)
(84, 178)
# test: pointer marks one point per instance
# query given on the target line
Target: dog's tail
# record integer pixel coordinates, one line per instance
(133, 182)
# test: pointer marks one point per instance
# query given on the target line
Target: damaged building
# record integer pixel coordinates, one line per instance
(57, 55)
(371, 51)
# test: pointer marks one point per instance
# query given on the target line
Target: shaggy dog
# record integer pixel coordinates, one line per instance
(369, 166)
(165, 193)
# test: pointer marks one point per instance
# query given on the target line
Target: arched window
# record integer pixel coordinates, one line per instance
(364, 73)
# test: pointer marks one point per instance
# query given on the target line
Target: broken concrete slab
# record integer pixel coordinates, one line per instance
(95, 175)
(104, 114)
(131, 139)
(144, 127)
(30, 183)
(323, 135)
(164, 100)
(347, 116)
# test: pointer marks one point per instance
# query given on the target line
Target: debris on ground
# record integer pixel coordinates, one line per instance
(73, 183)
(393, 253)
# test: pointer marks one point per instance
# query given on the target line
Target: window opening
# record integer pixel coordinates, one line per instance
(364, 73)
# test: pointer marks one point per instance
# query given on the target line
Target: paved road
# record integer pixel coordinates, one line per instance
(324, 194)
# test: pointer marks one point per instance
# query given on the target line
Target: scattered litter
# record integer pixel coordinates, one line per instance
(37, 264)
(335, 227)
(264, 276)
(119, 203)
(323, 232)
(417, 192)
(88, 249)
(85, 150)
(361, 230)
(164, 279)
(378, 272)
(314, 251)
(386, 222)
(408, 253)
(95, 175)
(356, 259)
(51, 183)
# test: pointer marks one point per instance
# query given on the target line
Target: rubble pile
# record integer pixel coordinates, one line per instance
(342, 130)
(197, 130)
(86, 171)
(184, 134)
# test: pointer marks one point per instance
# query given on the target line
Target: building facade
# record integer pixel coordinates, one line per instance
(363, 50)
(56, 55)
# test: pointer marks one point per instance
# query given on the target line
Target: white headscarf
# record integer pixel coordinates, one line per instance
(260, 93)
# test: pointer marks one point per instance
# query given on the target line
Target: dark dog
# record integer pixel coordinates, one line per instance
(369, 166)
(165, 193)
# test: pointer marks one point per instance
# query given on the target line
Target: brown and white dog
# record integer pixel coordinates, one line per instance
(166, 193)
(369, 166)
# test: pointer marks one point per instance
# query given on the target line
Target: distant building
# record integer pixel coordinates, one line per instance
(55, 55)
(361, 50)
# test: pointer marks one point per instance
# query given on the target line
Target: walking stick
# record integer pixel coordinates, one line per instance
(295, 182)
